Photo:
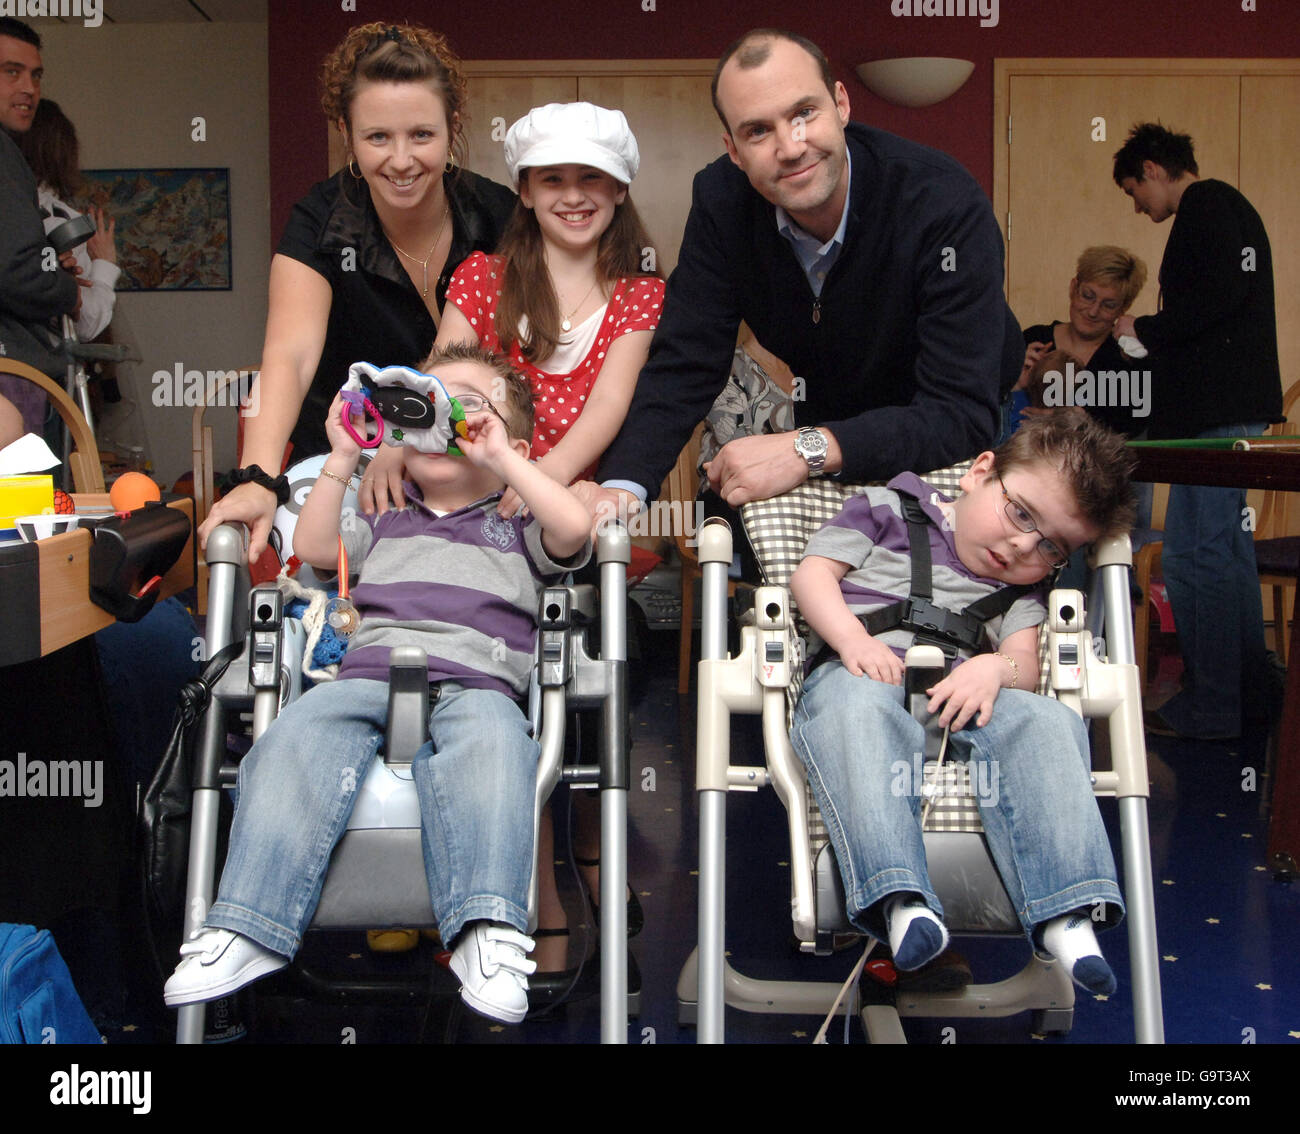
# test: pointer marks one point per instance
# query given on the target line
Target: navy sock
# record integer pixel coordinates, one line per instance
(916, 935)
(1071, 941)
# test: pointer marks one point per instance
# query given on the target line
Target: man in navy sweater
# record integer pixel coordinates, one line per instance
(1215, 373)
(870, 265)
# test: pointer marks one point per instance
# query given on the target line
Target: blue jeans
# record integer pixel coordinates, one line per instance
(1208, 562)
(475, 781)
(1040, 818)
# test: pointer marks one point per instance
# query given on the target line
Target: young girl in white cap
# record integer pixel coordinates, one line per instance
(566, 297)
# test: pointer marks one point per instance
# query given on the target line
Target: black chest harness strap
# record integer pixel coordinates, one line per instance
(951, 631)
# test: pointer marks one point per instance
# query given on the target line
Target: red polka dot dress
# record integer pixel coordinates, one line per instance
(557, 398)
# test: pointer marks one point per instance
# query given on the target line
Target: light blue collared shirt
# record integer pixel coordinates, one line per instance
(814, 257)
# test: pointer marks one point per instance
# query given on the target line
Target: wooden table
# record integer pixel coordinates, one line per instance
(1254, 468)
(56, 573)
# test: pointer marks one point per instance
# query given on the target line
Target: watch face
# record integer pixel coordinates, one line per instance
(811, 443)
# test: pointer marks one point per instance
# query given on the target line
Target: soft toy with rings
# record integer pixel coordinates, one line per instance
(408, 408)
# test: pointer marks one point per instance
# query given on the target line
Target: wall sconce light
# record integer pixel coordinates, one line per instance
(916, 81)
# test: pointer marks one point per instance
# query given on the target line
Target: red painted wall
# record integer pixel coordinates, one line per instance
(850, 31)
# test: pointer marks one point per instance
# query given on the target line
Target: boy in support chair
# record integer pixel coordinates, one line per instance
(447, 574)
(1058, 483)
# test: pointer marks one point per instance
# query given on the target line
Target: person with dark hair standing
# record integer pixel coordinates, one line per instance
(870, 265)
(31, 298)
(1215, 373)
(362, 269)
(54, 155)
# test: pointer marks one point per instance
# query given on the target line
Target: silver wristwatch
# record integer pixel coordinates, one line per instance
(811, 445)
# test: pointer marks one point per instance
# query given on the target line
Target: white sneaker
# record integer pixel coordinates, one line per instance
(492, 963)
(216, 963)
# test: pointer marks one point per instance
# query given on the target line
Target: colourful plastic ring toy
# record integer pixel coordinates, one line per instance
(368, 407)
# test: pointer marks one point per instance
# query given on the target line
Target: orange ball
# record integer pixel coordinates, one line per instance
(132, 490)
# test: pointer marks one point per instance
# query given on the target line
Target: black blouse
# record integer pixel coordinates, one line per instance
(377, 314)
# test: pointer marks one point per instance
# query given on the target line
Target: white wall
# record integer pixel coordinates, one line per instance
(132, 91)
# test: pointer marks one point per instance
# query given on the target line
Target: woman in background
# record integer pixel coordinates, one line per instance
(52, 151)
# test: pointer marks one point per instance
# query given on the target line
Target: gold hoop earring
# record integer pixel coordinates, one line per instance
(450, 167)
(355, 175)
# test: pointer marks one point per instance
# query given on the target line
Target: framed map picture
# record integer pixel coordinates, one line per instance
(173, 226)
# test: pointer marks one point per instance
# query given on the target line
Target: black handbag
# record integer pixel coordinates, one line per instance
(163, 823)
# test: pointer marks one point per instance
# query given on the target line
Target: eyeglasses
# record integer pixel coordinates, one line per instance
(1089, 297)
(1019, 515)
(474, 403)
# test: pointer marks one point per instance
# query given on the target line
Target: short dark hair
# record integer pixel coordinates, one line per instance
(16, 29)
(752, 49)
(1094, 461)
(1150, 141)
(518, 408)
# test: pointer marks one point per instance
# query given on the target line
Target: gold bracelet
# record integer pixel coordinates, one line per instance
(346, 482)
(1015, 668)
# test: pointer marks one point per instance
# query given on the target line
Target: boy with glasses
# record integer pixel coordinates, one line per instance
(450, 575)
(1060, 482)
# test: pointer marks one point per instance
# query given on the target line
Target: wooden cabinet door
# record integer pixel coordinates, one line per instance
(495, 102)
(1062, 198)
(678, 134)
(1270, 124)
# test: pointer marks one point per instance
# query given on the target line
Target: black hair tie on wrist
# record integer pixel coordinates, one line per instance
(277, 484)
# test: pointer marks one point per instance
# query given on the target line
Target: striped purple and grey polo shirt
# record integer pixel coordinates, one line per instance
(464, 587)
(870, 535)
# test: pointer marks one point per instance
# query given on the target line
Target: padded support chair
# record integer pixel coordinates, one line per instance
(376, 875)
(83, 462)
(764, 677)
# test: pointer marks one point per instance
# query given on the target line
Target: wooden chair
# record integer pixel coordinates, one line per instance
(83, 462)
(682, 487)
(1277, 546)
(1146, 566)
(204, 473)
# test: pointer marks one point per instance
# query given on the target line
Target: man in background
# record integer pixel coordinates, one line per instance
(1213, 348)
(34, 291)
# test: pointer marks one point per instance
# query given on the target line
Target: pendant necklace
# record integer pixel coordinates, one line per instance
(424, 264)
(567, 323)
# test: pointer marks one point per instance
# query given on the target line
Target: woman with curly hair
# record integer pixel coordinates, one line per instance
(362, 269)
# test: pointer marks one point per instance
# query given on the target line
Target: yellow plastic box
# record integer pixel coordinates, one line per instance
(24, 496)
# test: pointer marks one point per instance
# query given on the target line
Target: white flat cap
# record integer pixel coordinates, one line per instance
(573, 133)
